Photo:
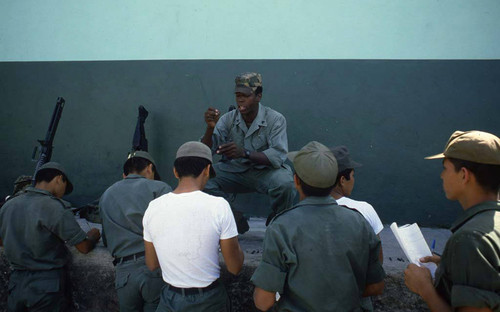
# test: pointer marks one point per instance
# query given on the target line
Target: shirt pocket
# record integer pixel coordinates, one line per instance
(259, 142)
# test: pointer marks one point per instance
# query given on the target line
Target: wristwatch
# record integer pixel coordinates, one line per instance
(247, 154)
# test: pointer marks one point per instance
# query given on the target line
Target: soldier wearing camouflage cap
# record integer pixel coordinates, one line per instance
(253, 142)
(35, 227)
(468, 273)
(122, 208)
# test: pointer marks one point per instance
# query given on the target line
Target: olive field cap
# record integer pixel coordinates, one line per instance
(147, 156)
(475, 146)
(142, 154)
(315, 164)
(196, 149)
(343, 158)
(59, 167)
(247, 83)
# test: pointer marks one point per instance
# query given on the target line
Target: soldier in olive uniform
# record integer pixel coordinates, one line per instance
(253, 141)
(122, 208)
(468, 273)
(317, 255)
(34, 228)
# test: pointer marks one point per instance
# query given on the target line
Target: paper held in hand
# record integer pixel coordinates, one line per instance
(412, 242)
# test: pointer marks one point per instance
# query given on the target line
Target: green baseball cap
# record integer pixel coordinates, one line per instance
(315, 164)
(476, 146)
(147, 156)
(247, 83)
(59, 167)
(196, 149)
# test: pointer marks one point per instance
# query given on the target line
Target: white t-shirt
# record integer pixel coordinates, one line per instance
(366, 210)
(185, 230)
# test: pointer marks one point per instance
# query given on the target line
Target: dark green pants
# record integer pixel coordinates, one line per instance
(138, 288)
(39, 291)
(276, 183)
(213, 300)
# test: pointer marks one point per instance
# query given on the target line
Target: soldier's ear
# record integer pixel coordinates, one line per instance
(175, 173)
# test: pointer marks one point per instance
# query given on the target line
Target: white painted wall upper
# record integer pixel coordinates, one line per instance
(52, 30)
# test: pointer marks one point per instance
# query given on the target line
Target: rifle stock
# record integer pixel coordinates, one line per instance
(139, 141)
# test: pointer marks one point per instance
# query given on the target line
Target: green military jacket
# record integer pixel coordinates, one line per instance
(34, 228)
(267, 134)
(469, 271)
(319, 256)
(122, 208)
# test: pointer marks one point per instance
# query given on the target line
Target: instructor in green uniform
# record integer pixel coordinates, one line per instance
(122, 208)
(34, 228)
(468, 273)
(253, 142)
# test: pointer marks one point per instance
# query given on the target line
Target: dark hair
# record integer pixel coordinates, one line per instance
(190, 166)
(344, 173)
(488, 176)
(47, 175)
(136, 165)
(314, 191)
(258, 90)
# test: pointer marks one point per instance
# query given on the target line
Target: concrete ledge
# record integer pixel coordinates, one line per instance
(93, 275)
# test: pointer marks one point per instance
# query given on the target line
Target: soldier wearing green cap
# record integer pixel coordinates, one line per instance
(122, 208)
(253, 142)
(317, 255)
(34, 228)
(468, 273)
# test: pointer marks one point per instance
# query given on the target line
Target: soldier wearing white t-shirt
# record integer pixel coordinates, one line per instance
(343, 188)
(183, 231)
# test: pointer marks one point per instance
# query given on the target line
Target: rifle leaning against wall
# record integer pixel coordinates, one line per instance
(46, 145)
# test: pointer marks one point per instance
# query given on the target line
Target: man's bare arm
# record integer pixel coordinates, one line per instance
(263, 299)
(232, 253)
(89, 243)
(151, 258)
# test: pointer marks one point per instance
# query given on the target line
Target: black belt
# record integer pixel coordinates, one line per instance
(193, 291)
(127, 258)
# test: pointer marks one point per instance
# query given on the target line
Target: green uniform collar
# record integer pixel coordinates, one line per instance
(134, 176)
(472, 211)
(37, 190)
(311, 201)
(259, 121)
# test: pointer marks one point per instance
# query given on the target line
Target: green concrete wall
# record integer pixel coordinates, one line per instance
(389, 113)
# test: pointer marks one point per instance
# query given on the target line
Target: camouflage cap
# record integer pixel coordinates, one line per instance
(247, 83)
(315, 164)
(476, 146)
(59, 167)
(23, 179)
(21, 183)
